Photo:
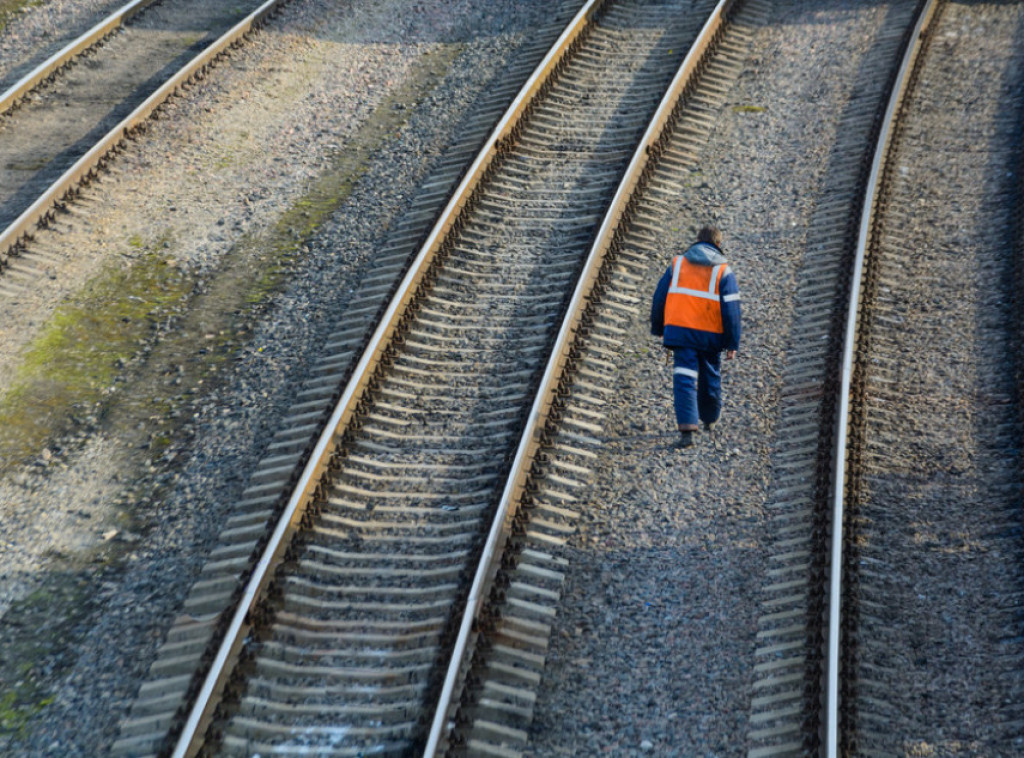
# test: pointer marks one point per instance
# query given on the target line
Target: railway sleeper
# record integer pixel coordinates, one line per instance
(349, 655)
(502, 711)
(490, 735)
(309, 739)
(279, 474)
(354, 693)
(269, 710)
(522, 631)
(344, 491)
(356, 637)
(487, 750)
(209, 602)
(250, 518)
(141, 746)
(280, 461)
(234, 566)
(246, 748)
(511, 675)
(249, 532)
(358, 610)
(283, 671)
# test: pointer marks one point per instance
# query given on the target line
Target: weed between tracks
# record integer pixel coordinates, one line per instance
(133, 332)
(79, 354)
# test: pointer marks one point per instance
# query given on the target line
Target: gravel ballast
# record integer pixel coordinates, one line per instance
(118, 514)
(104, 527)
(654, 647)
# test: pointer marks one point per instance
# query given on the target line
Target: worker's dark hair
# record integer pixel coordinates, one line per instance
(710, 234)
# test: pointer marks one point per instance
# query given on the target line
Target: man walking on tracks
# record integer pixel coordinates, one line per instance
(696, 310)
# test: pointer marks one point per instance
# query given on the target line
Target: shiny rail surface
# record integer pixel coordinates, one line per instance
(837, 562)
(490, 692)
(69, 52)
(933, 483)
(33, 213)
(793, 708)
(188, 650)
(367, 562)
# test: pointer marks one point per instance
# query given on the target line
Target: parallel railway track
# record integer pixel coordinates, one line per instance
(794, 705)
(161, 697)
(63, 119)
(339, 635)
(426, 522)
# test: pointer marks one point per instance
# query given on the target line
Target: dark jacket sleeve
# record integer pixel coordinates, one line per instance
(729, 294)
(658, 305)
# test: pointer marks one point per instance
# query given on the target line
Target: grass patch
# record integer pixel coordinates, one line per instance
(80, 351)
(9, 9)
(92, 343)
(36, 635)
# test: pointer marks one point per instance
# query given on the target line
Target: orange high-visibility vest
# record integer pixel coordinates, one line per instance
(692, 299)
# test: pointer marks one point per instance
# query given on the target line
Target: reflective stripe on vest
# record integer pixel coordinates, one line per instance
(692, 300)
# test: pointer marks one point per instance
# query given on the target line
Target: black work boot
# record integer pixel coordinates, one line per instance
(686, 435)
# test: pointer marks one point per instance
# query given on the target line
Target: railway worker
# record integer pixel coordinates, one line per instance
(696, 312)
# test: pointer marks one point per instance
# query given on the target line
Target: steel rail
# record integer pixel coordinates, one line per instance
(832, 672)
(305, 488)
(546, 394)
(36, 214)
(72, 50)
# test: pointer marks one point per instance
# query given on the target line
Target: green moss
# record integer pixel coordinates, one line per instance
(80, 351)
(15, 711)
(11, 8)
(111, 331)
(29, 165)
(35, 637)
(333, 186)
(91, 347)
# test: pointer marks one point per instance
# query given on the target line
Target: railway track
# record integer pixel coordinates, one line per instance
(789, 710)
(62, 120)
(933, 540)
(341, 637)
(160, 698)
(351, 637)
(863, 529)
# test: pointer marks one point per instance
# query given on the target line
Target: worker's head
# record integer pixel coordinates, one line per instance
(710, 234)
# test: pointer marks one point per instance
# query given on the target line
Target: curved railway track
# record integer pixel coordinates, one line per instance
(60, 121)
(372, 554)
(348, 645)
(851, 650)
(792, 708)
(932, 649)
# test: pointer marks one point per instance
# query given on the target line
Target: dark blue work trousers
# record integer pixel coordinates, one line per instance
(697, 386)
